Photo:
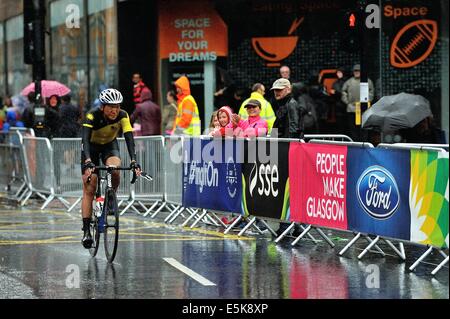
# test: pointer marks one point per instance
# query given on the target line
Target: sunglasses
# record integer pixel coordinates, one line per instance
(249, 106)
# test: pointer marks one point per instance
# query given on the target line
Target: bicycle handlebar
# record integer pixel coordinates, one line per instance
(121, 168)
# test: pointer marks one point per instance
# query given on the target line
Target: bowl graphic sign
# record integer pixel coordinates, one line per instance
(275, 49)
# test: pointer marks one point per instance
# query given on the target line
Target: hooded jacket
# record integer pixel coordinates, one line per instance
(226, 129)
(148, 113)
(187, 121)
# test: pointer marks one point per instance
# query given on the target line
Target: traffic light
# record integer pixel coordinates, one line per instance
(349, 33)
(34, 31)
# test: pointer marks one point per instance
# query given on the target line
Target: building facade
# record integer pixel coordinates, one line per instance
(219, 43)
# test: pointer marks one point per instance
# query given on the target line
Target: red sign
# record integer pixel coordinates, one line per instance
(318, 184)
(191, 31)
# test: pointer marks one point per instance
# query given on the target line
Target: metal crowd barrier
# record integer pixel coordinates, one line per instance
(66, 160)
(372, 242)
(173, 177)
(328, 137)
(12, 172)
(425, 147)
(150, 155)
(39, 163)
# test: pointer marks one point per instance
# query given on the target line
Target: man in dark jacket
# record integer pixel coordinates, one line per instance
(148, 113)
(288, 123)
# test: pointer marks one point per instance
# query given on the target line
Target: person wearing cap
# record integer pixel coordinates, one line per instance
(288, 123)
(267, 113)
(350, 96)
(254, 125)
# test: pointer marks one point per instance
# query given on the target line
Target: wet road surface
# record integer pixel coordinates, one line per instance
(41, 257)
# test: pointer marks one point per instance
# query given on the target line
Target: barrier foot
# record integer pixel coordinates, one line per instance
(26, 198)
(16, 195)
(249, 224)
(74, 204)
(209, 220)
(149, 210)
(160, 208)
(41, 196)
(366, 250)
(63, 201)
(143, 206)
(309, 235)
(442, 264)
(401, 254)
(199, 218)
(127, 207)
(180, 211)
(269, 228)
(285, 232)
(47, 201)
(325, 237)
(213, 220)
(350, 244)
(305, 231)
(221, 223)
(442, 253)
(237, 220)
(380, 251)
(172, 213)
(189, 218)
(418, 261)
(24, 193)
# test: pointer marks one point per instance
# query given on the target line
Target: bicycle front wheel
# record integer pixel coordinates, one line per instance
(111, 232)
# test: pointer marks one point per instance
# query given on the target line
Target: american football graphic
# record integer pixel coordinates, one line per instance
(413, 43)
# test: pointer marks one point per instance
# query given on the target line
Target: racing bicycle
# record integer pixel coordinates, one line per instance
(105, 215)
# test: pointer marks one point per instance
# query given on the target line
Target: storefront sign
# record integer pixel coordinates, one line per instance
(191, 32)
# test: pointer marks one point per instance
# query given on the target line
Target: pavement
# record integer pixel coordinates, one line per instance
(41, 257)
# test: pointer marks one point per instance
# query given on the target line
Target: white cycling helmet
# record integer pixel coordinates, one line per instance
(110, 96)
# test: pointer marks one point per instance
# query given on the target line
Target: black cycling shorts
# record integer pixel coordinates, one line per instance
(101, 151)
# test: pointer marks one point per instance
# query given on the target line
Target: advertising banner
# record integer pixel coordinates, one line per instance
(265, 179)
(211, 175)
(318, 175)
(191, 31)
(378, 192)
(428, 198)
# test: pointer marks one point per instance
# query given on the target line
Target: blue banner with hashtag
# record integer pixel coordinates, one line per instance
(212, 174)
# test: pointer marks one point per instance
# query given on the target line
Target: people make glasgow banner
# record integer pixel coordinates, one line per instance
(318, 177)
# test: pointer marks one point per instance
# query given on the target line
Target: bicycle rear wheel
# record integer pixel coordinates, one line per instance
(111, 232)
(95, 236)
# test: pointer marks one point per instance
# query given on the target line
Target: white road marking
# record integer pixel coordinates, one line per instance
(189, 272)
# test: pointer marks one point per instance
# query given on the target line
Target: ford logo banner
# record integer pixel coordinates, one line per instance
(378, 192)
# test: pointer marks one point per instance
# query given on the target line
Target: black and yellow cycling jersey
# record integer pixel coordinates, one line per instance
(105, 131)
(99, 138)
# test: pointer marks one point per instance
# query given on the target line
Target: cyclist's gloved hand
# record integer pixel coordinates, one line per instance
(135, 166)
(89, 165)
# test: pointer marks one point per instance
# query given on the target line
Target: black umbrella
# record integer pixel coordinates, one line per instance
(395, 112)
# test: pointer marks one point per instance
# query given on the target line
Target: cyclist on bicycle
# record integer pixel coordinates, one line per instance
(99, 141)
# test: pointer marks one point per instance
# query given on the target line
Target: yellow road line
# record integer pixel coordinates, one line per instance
(60, 241)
